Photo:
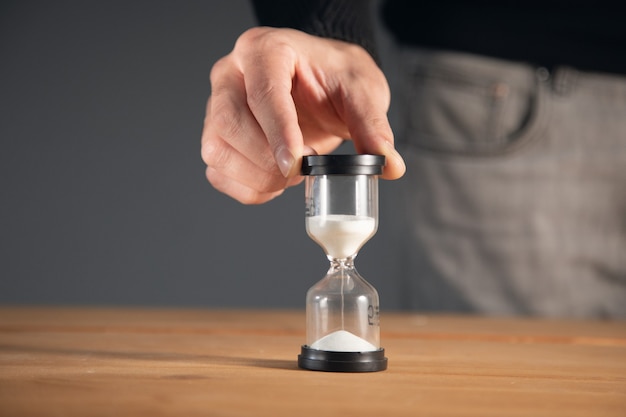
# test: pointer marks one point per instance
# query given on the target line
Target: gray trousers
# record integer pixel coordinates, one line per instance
(514, 201)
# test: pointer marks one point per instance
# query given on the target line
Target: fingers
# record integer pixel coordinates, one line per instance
(269, 98)
(234, 174)
(232, 122)
(247, 189)
(221, 156)
(281, 94)
(239, 158)
(237, 190)
(364, 109)
(372, 134)
(241, 192)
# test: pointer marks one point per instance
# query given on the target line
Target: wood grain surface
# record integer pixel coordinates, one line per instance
(166, 362)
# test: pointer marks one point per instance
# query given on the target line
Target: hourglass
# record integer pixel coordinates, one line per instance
(342, 310)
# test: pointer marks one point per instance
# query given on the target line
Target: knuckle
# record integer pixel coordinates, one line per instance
(270, 183)
(234, 190)
(216, 180)
(251, 36)
(380, 123)
(215, 154)
(226, 120)
(267, 162)
(220, 67)
(259, 50)
(251, 198)
(255, 198)
(260, 95)
(206, 151)
(259, 39)
(266, 88)
(227, 186)
(265, 91)
(237, 191)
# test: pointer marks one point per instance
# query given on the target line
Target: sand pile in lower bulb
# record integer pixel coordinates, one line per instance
(343, 341)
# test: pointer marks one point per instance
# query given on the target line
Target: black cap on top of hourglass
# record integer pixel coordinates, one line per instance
(343, 164)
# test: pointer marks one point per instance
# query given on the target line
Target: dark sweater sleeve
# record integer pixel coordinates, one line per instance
(346, 20)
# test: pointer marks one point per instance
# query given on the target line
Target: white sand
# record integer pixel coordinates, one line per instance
(341, 235)
(343, 341)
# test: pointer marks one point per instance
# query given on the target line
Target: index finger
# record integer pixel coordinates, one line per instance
(268, 81)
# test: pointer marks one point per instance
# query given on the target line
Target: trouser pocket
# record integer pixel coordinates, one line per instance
(460, 103)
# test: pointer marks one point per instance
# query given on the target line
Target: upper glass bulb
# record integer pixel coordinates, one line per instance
(341, 194)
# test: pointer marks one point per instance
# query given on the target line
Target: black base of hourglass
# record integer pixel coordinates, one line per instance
(323, 360)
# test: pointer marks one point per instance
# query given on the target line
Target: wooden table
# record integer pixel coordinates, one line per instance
(124, 362)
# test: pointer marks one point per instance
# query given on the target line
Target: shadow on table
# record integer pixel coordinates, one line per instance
(84, 355)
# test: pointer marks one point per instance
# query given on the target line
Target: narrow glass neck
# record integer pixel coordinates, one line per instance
(337, 264)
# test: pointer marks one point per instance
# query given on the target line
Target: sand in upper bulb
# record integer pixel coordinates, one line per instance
(341, 235)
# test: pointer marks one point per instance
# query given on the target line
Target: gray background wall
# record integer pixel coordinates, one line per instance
(103, 198)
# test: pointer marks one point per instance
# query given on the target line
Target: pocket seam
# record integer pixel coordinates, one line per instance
(534, 123)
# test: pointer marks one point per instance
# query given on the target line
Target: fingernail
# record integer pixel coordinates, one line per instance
(285, 160)
(307, 150)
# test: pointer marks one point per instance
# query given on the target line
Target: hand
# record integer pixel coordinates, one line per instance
(281, 94)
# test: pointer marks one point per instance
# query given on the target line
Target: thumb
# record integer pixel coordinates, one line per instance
(371, 133)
